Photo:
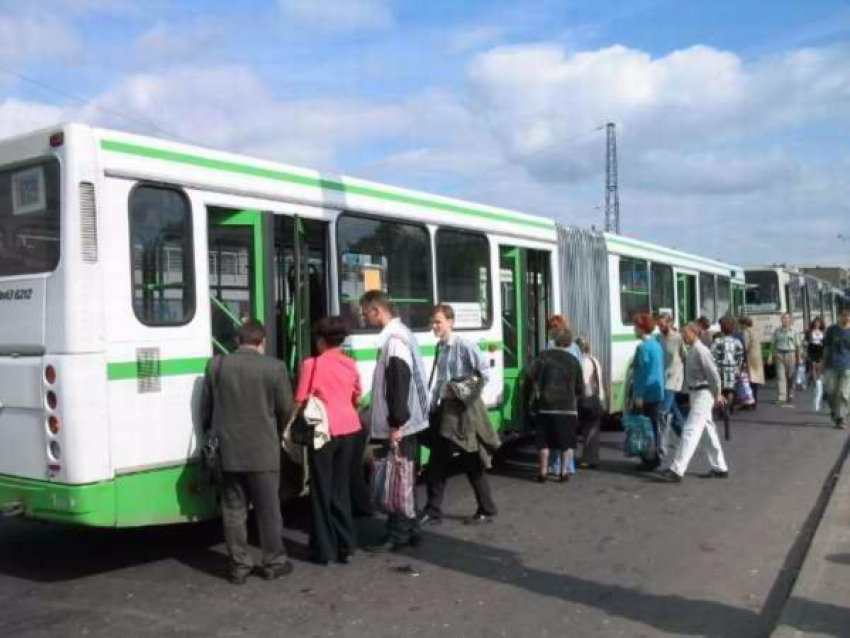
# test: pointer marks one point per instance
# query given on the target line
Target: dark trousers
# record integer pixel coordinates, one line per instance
(592, 427)
(400, 528)
(439, 470)
(333, 531)
(361, 497)
(240, 489)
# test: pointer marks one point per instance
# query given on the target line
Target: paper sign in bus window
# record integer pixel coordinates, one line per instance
(28, 191)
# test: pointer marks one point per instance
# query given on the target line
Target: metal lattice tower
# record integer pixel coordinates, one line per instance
(612, 193)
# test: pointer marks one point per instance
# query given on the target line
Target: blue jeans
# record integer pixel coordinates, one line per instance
(671, 408)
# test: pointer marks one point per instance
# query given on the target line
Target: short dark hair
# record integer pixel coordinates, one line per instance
(727, 326)
(444, 309)
(332, 330)
(562, 337)
(746, 321)
(251, 333)
(704, 322)
(377, 298)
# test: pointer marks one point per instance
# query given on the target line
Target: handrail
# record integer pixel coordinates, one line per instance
(236, 321)
(218, 345)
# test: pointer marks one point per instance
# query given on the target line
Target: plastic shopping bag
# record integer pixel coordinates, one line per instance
(744, 391)
(393, 483)
(640, 436)
(800, 376)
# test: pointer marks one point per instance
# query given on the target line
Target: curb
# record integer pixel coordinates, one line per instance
(819, 604)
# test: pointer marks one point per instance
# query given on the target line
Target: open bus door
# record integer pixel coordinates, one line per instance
(271, 267)
(686, 289)
(237, 270)
(525, 290)
(300, 275)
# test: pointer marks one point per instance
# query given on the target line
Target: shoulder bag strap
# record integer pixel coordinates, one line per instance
(216, 375)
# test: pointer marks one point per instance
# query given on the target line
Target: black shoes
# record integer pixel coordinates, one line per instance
(238, 578)
(269, 572)
(429, 519)
(273, 572)
(564, 478)
(388, 545)
(718, 474)
(670, 476)
(540, 478)
(840, 425)
(478, 518)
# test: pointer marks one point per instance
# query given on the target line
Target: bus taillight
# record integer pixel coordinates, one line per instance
(52, 401)
(50, 375)
(53, 425)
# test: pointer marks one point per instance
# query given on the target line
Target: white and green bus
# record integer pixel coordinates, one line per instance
(775, 290)
(126, 262)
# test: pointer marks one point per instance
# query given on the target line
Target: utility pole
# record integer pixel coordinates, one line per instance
(612, 193)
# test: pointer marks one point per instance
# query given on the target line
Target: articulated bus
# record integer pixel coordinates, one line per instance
(126, 262)
(774, 291)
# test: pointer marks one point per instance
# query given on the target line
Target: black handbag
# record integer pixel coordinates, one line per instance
(211, 463)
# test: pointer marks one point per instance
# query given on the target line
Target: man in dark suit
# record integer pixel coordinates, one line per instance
(247, 399)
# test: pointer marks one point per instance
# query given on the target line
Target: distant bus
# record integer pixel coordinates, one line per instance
(773, 291)
(126, 262)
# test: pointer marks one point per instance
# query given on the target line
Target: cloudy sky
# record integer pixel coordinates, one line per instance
(732, 115)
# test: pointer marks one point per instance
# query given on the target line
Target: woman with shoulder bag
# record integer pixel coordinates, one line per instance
(590, 406)
(332, 378)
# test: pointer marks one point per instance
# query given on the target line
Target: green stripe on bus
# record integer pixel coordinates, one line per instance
(314, 182)
(122, 370)
(622, 338)
(125, 370)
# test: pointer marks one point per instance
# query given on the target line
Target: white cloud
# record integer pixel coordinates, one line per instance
(339, 15)
(164, 44)
(25, 39)
(18, 116)
(189, 103)
(540, 98)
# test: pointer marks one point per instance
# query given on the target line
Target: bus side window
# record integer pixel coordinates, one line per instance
(634, 289)
(163, 273)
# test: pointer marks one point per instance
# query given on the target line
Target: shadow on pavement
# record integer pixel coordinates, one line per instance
(822, 619)
(841, 559)
(56, 553)
(668, 613)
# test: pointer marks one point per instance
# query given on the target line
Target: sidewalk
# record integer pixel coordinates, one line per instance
(820, 601)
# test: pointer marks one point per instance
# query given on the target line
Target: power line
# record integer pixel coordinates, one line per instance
(89, 103)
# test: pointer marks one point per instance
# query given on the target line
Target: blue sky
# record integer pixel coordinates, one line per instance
(732, 116)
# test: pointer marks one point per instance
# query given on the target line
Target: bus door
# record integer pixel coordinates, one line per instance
(301, 286)
(525, 292)
(686, 288)
(237, 269)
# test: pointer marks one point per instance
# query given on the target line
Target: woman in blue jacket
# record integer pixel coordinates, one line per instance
(648, 380)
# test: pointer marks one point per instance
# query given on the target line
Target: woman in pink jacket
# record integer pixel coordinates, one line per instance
(332, 378)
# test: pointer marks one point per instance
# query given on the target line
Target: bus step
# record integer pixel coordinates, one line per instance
(15, 508)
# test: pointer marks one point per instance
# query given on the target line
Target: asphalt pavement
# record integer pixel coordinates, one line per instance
(611, 553)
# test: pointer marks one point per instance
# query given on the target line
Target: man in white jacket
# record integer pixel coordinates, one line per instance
(703, 383)
(399, 402)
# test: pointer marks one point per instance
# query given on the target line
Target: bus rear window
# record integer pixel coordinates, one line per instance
(762, 291)
(29, 219)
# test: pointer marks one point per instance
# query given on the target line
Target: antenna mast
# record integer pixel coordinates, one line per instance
(612, 193)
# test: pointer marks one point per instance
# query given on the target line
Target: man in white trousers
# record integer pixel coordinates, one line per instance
(703, 383)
